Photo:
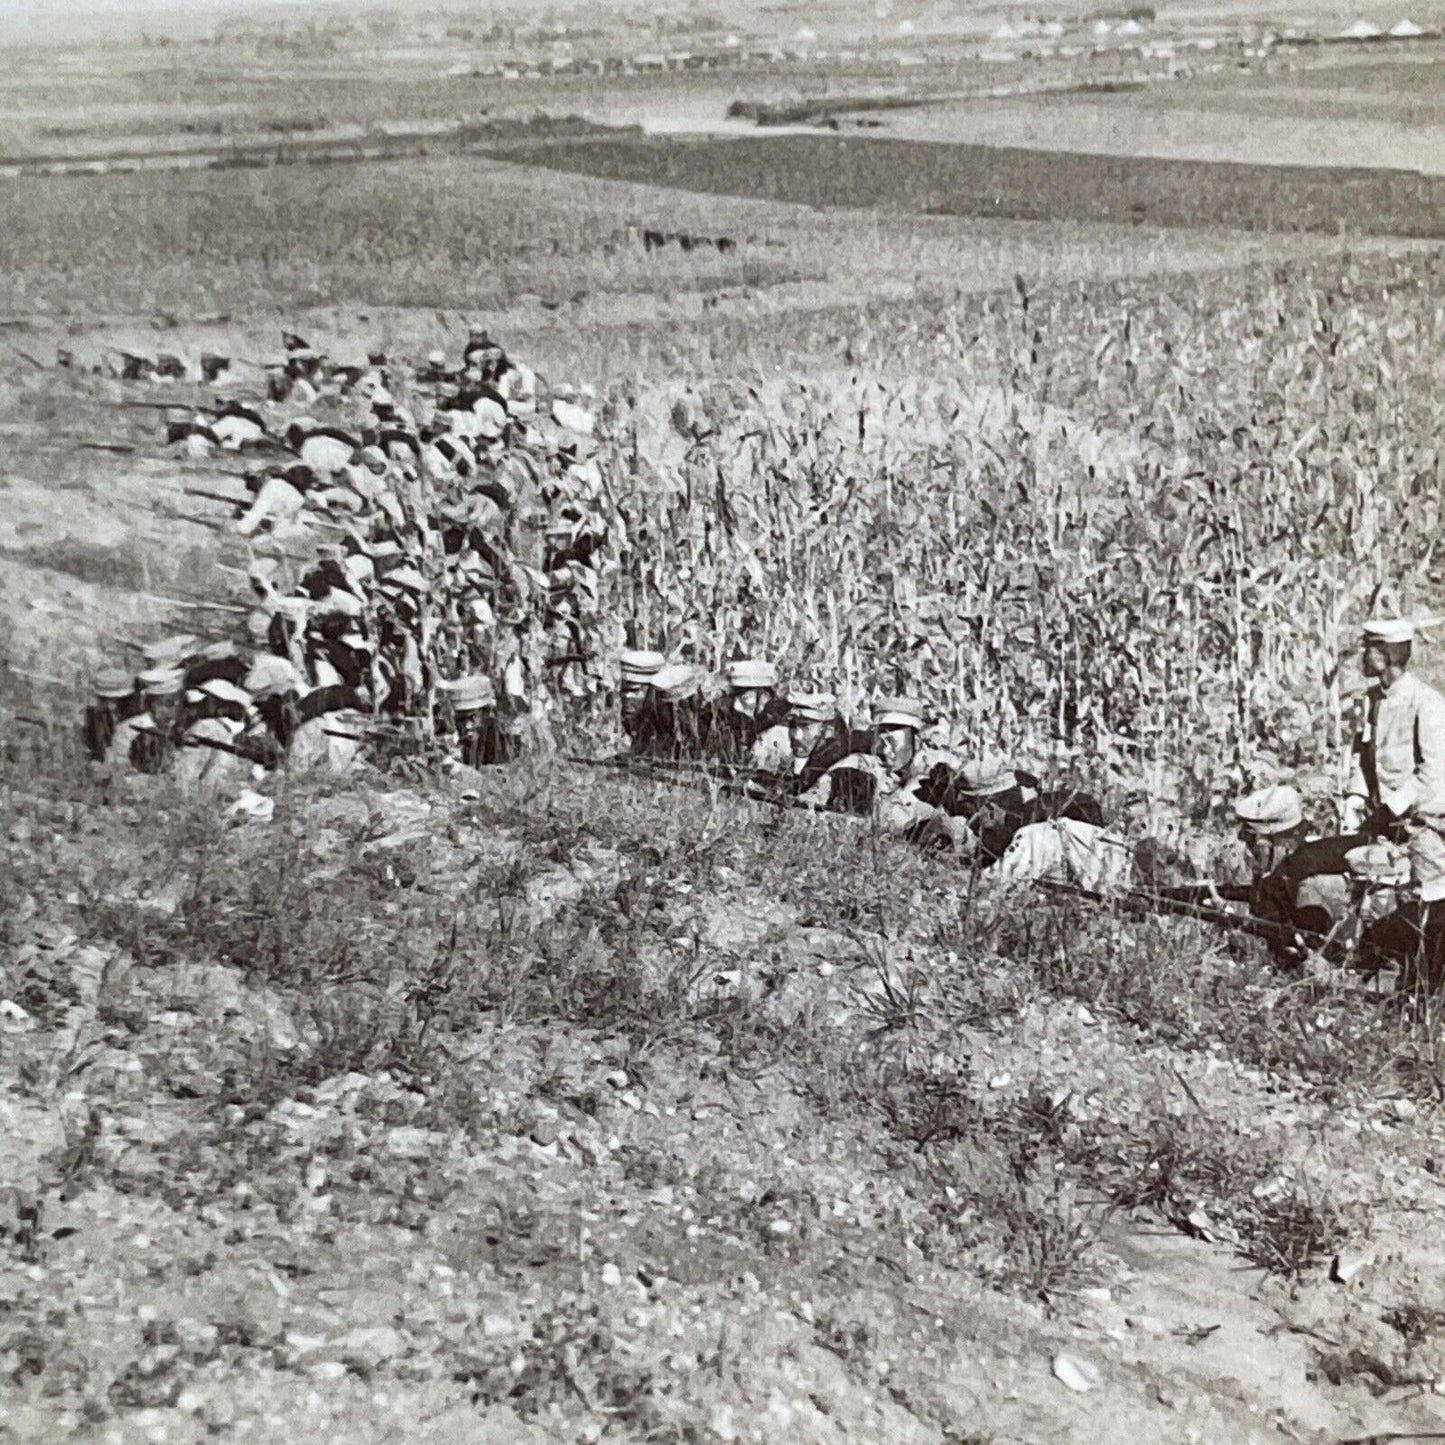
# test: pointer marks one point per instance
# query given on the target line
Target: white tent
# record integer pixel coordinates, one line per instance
(1405, 30)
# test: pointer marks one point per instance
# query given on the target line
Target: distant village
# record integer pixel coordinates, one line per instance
(538, 51)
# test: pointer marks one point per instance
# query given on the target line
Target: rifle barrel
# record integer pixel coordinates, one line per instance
(1264, 928)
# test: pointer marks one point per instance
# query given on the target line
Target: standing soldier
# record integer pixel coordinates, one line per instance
(1397, 782)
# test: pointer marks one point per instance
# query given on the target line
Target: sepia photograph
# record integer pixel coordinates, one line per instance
(722, 722)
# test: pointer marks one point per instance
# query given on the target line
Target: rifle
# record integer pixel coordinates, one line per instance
(1176, 902)
(732, 777)
(219, 496)
(1204, 893)
(1141, 900)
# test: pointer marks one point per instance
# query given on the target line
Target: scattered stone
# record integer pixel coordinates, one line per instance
(721, 1423)
(13, 1018)
(302, 1349)
(372, 1346)
(1348, 1265)
(253, 807)
(408, 1142)
(1200, 1225)
(1404, 1109)
(1075, 1374)
(611, 1275)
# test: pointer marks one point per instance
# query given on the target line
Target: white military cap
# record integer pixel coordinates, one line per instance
(113, 682)
(168, 651)
(677, 681)
(225, 691)
(269, 675)
(812, 706)
(1380, 863)
(471, 694)
(1271, 810)
(751, 672)
(161, 681)
(985, 776)
(641, 665)
(1389, 629)
(898, 712)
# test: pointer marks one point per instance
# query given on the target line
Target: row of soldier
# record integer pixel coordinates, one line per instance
(209, 713)
(800, 747)
(210, 707)
(1372, 890)
(463, 546)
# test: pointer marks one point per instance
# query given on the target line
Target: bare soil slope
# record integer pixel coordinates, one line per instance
(543, 1106)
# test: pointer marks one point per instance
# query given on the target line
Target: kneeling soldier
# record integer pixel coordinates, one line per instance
(115, 700)
(745, 712)
(1400, 928)
(996, 800)
(479, 732)
(894, 780)
(638, 668)
(814, 724)
(672, 726)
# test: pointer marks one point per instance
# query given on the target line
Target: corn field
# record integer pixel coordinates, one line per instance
(1125, 530)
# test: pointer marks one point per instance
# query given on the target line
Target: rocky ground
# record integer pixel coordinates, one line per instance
(550, 1105)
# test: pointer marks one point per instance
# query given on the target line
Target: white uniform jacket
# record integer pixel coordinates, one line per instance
(1399, 763)
(1403, 744)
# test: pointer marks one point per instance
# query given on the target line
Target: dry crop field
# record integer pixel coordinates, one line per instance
(538, 1104)
(954, 179)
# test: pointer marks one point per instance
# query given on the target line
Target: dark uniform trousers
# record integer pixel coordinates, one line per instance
(1412, 936)
(997, 817)
(1277, 890)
